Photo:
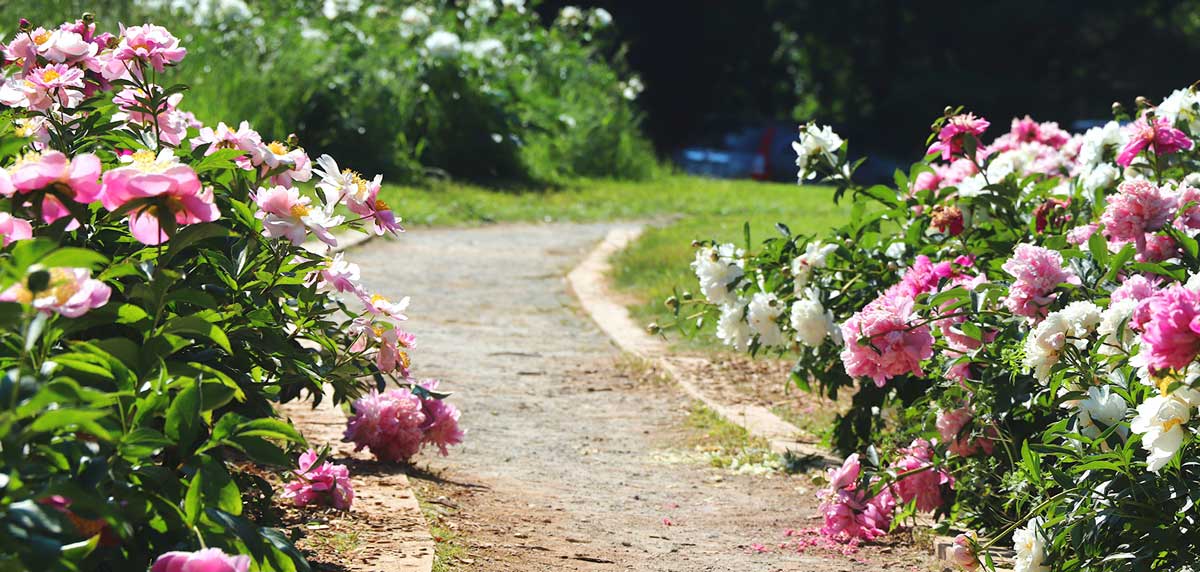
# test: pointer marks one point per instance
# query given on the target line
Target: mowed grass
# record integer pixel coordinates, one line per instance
(648, 270)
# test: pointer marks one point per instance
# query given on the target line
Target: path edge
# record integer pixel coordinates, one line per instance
(588, 281)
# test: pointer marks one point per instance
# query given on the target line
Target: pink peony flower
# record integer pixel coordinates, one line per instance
(71, 292)
(222, 137)
(326, 484)
(1156, 134)
(13, 229)
(389, 424)
(60, 178)
(926, 181)
(1188, 198)
(207, 560)
(1137, 208)
(1138, 288)
(1171, 336)
(925, 483)
(288, 214)
(950, 425)
(1080, 234)
(881, 343)
(148, 44)
(288, 165)
(380, 306)
(1157, 248)
(159, 187)
(172, 125)
(441, 420)
(339, 275)
(849, 515)
(1037, 272)
(41, 88)
(956, 129)
(389, 343)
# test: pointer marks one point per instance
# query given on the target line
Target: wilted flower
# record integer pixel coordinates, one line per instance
(947, 219)
(325, 484)
(922, 481)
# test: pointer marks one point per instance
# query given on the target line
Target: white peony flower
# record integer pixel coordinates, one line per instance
(1101, 177)
(600, 18)
(443, 44)
(718, 268)
(1114, 338)
(1096, 141)
(972, 186)
(485, 48)
(1101, 407)
(414, 20)
(815, 256)
(811, 321)
(482, 9)
(1045, 343)
(570, 16)
(815, 142)
(518, 5)
(1181, 105)
(1160, 421)
(765, 310)
(732, 328)
(1030, 548)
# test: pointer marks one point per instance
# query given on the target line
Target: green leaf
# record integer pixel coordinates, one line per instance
(270, 428)
(1099, 248)
(183, 416)
(74, 258)
(58, 419)
(197, 326)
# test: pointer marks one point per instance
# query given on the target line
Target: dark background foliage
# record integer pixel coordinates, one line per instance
(883, 70)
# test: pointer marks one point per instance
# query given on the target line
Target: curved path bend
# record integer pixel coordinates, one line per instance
(570, 462)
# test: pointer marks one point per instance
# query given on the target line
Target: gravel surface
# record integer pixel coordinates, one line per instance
(572, 462)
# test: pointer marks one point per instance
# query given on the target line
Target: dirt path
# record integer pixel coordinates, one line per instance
(567, 464)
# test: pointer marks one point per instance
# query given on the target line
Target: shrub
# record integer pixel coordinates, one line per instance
(1016, 319)
(156, 304)
(479, 90)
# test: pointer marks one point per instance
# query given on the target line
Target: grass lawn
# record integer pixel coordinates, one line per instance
(647, 271)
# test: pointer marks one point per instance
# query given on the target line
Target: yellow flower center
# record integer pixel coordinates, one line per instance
(277, 148)
(49, 75)
(1171, 424)
(147, 162)
(404, 360)
(380, 205)
(41, 38)
(30, 157)
(377, 299)
(300, 211)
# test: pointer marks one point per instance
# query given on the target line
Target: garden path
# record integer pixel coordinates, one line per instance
(571, 462)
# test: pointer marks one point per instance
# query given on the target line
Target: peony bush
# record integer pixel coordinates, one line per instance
(1018, 318)
(158, 302)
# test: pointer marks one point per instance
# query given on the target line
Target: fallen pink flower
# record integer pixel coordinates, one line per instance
(326, 484)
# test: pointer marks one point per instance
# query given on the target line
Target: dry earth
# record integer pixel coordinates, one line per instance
(571, 462)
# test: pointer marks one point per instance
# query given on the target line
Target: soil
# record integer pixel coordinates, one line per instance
(574, 460)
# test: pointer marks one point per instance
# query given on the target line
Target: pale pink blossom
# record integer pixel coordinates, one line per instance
(41, 88)
(389, 424)
(1188, 198)
(849, 515)
(845, 476)
(13, 229)
(326, 484)
(158, 187)
(1155, 134)
(58, 178)
(223, 137)
(1037, 272)
(170, 123)
(1137, 287)
(149, 44)
(207, 560)
(963, 554)
(288, 214)
(956, 129)
(381, 306)
(70, 292)
(1171, 336)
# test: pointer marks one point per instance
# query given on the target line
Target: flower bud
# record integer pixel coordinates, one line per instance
(695, 244)
(893, 266)
(88, 18)
(1141, 102)
(672, 302)
(293, 140)
(653, 328)
(687, 295)
(23, 25)
(1117, 107)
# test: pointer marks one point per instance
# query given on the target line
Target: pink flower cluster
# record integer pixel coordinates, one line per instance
(1139, 207)
(1037, 272)
(325, 484)
(952, 427)
(924, 482)
(848, 512)
(207, 560)
(280, 164)
(954, 132)
(883, 339)
(1155, 134)
(396, 423)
